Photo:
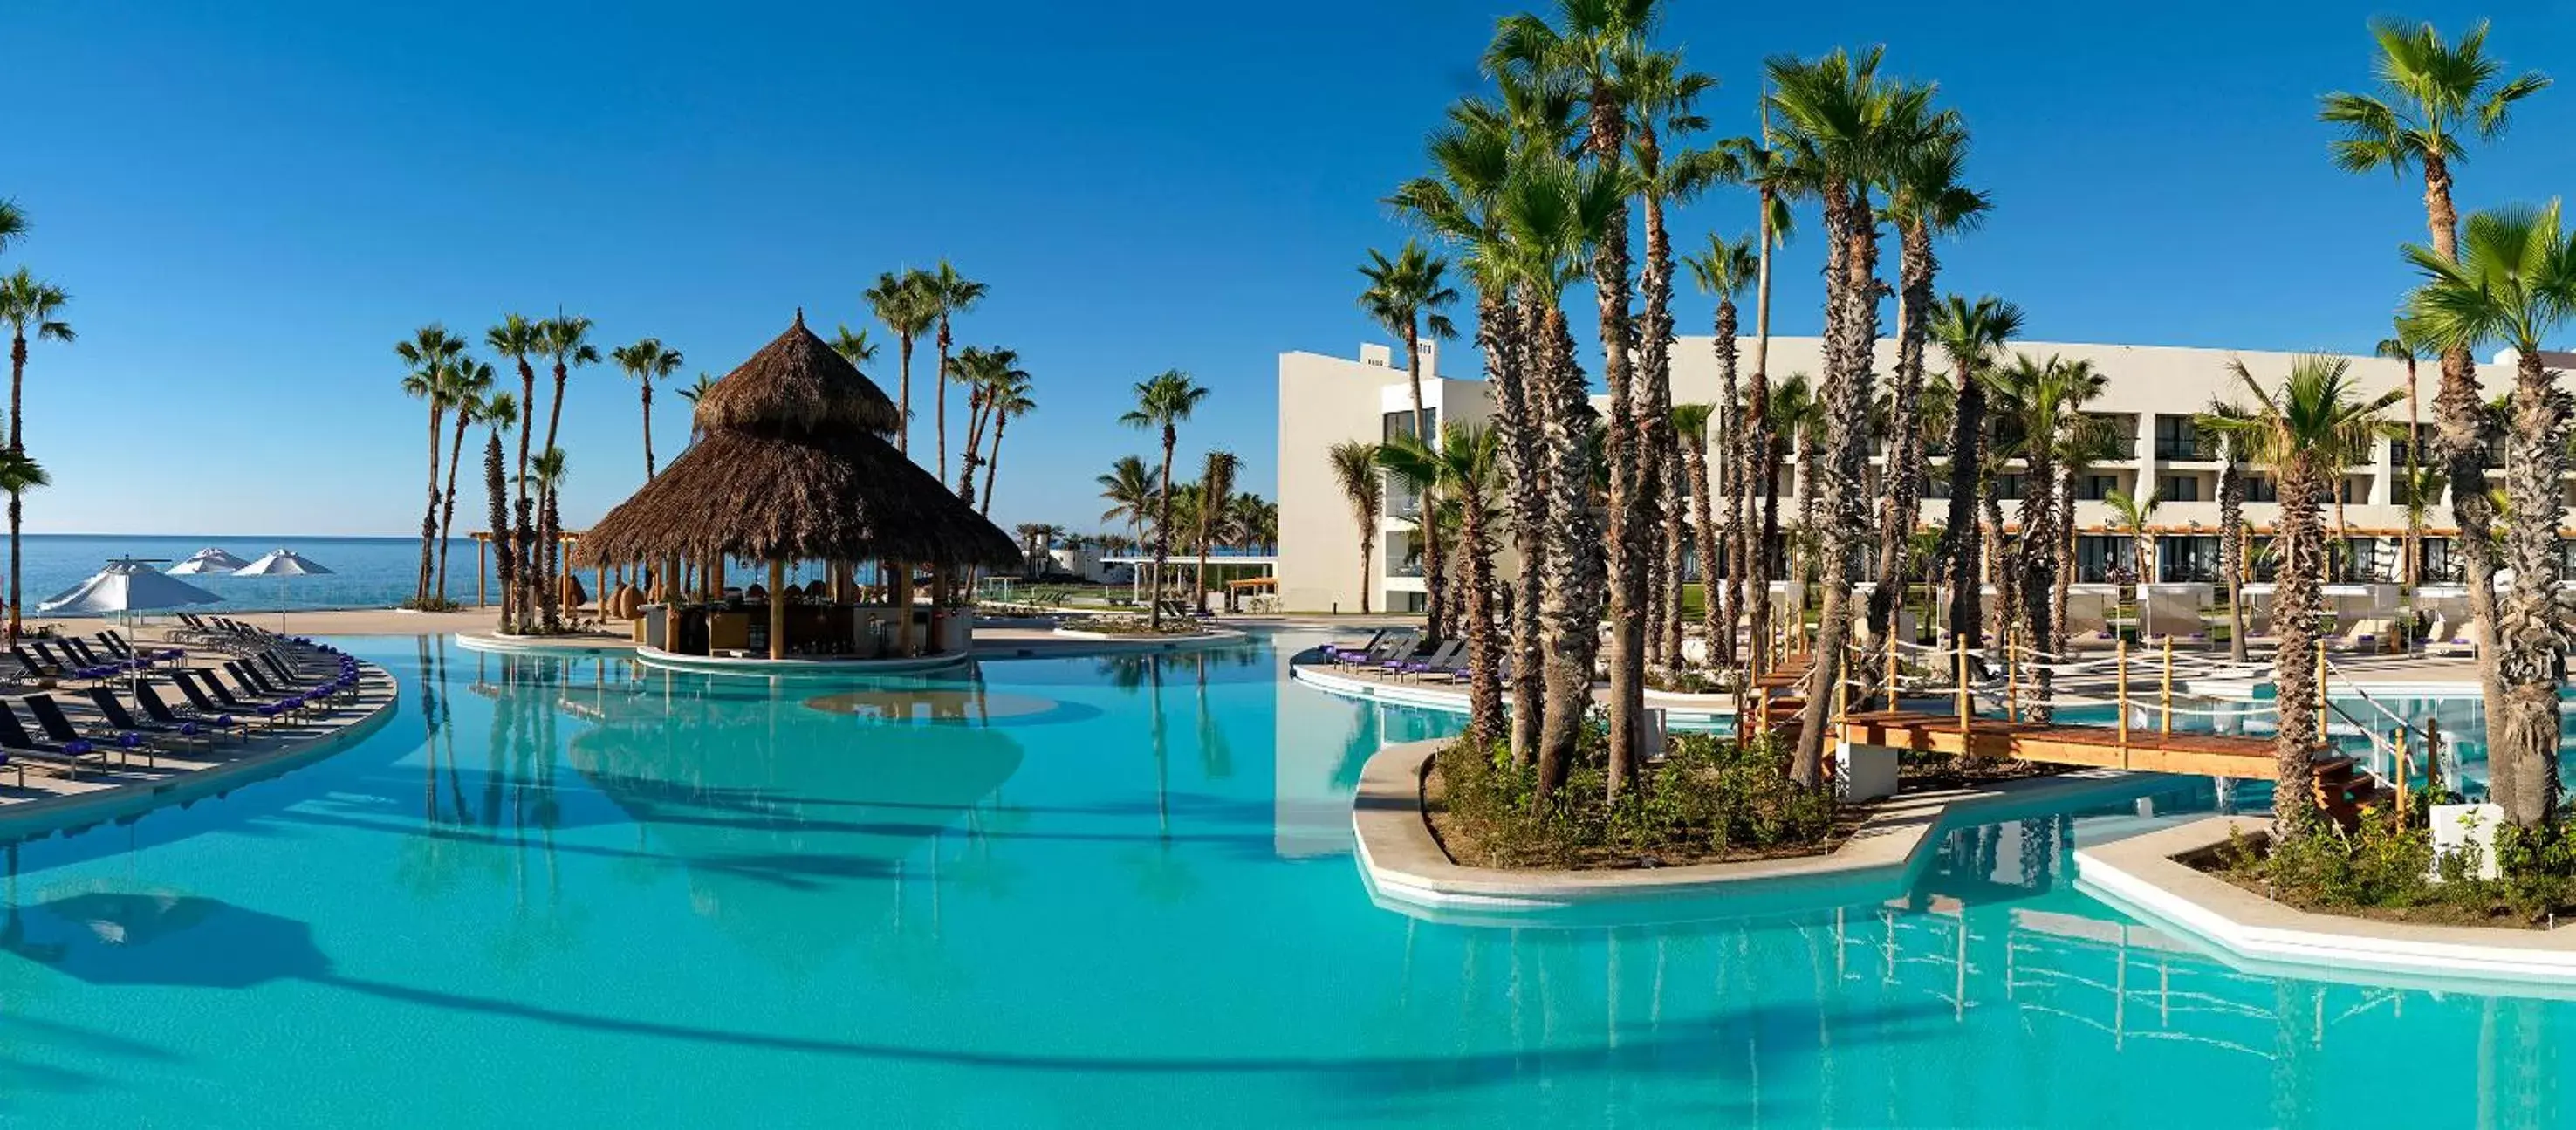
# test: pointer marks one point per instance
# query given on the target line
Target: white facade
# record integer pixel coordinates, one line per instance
(2153, 392)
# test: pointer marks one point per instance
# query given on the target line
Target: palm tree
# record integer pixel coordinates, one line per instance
(1690, 427)
(1837, 115)
(28, 305)
(984, 373)
(469, 382)
(567, 343)
(518, 339)
(547, 473)
(1596, 46)
(2044, 399)
(1971, 334)
(13, 223)
(2431, 96)
(1662, 98)
(2400, 349)
(1007, 399)
(903, 303)
(1407, 296)
(430, 353)
(647, 361)
(691, 394)
(1462, 469)
(1356, 471)
(18, 475)
(1723, 271)
(1129, 487)
(2133, 513)
(1925, 200)
(1753, 161)
(1162, 402)
(2217, 423)
(1216, 494)
(2309, 429)
(1554, 213)
(501, 412)
(854, 346)
(2513, 283)
(949, 294)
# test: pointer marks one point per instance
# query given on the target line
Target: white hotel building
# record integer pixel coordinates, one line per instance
(2153, 393)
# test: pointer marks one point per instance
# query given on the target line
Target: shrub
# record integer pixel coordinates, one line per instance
(1707, 796)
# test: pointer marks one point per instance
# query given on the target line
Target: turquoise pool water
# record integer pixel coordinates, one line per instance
(1081, 892)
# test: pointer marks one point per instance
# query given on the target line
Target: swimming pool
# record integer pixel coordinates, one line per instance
(1055, 892)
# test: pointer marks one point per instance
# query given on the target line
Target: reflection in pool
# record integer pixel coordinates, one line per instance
(1082, 891)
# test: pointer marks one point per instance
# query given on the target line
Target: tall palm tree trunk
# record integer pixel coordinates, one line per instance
(549, 530)
(1695, 465)
(521, 599)
(429, 518)
(1508, 331)
(1851, 332)
(447, 503)
(647, 387)
(17, 513)
(2528, 645)
(1959, 535)
(993, 465)
(1659, 457)
(1905, 460)
(1162, 528)
(1755, 580)
(1722, 602)
(2231, 550)
(2297, 599)
(1484, 671)
(903, 407)
(1630, 517)
(505, 557)
(1571, 566)
(942, 414)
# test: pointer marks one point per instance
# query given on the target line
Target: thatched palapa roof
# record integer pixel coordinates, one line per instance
(790, 464)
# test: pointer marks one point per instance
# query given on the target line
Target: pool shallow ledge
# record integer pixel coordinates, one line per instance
(35, 819)
(1406, 870)
(1681, 711)
(2143, 876)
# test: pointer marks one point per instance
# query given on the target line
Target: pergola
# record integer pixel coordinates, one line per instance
(790, 464)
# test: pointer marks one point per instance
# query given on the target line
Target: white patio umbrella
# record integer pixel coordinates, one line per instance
(281, 563)
(126, 585)
(210, 561)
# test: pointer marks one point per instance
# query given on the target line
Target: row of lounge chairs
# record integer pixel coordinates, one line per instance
(270, 686)
(38, 658)
(1399, 652)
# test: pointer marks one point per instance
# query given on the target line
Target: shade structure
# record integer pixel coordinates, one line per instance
(210, 561)
(790, 465)
(282, 564)
(126, 585)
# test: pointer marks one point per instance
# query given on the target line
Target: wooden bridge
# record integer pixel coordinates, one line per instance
(2344, 789)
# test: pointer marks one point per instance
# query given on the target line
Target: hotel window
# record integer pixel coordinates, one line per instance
(2177, 438)
(1401, 423)
(2095, 488)
(2007, 487)
(2187, 558)
(2262, 488)
(2178, 488)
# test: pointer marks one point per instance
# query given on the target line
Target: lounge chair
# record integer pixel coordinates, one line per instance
(67, 668)
(208, 720)
(2467, 639)
(212, 697)
(1334, 651)
(16, 746)
(36, 668)
(80, 652)
(125, 649)
(58, 727)
(1439, 660)
(1385, 647)
(2365, 635)
(109, 707)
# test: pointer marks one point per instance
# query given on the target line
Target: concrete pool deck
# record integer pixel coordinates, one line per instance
(49, 802)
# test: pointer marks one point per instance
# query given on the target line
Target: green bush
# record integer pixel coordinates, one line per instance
(2381, 866)
(1706, 796)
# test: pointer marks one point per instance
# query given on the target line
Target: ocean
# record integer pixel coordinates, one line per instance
(365, 572)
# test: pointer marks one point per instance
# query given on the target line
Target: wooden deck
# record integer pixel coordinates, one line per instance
(2209, 755)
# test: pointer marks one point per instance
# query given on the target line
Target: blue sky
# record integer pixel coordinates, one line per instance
(251, 202)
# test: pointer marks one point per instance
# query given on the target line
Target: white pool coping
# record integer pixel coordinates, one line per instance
(1681, 711)
(2141, 875)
